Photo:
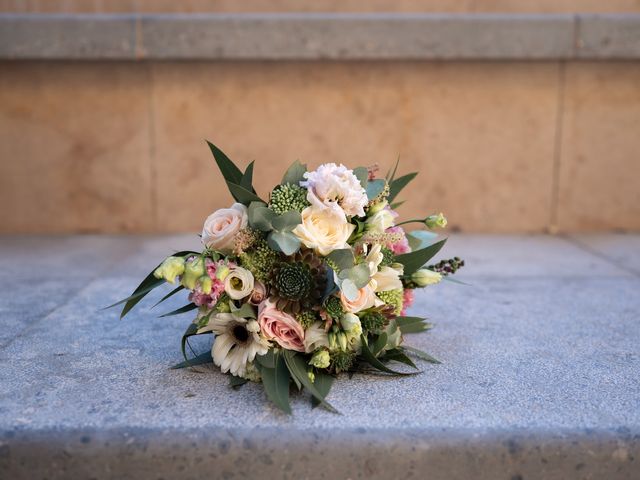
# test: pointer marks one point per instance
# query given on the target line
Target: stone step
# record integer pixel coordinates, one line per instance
(539, 376)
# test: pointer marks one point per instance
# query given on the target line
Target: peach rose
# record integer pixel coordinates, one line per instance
(280, 327)
(221, 227)
(365, 299)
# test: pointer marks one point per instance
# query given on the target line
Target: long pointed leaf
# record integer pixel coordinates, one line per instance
(370, 358)
(420, 354)
(298, 368)
(397, 356)
(247, 178)
(323, 384)
(186, 308)
(169, 295)
(201, 359)
(412, 261)
(396, 186)
(276, 384)
(229, 171)
(243, 195)
(392, 174)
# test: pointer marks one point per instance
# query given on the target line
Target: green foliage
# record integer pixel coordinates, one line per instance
(323, 384)
(201, 359)
(259, 260)
(178, 311)
(342, 360)
(396, 186)
(414, 260)
(288, 197)
(420, 354)
(334, 308)
(373, 321)
(368, 356)
(375, 188)
(419, 239)
(276, 382)
(393, 298)
(279, 227)
(413, 324)
(239, 183)
(298, 369)
(362, 174)
(294, 174)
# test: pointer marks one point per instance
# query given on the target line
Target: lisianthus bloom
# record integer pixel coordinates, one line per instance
(320, 359)
(221, 227)
(323, 230)
(434, 221)
(239, 283)
(193, 270)
(380, 221)
(237, 342)
(424, 277)
(280, 327)
(388, 278)
(337, 188)
(315, 337)
(374, 258)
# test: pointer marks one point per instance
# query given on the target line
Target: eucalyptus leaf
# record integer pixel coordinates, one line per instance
(287, 221)
(260, 216)
(285, 242)
(374, 188)
(343, 258)
(362, 174)
(349, 289)
(230, 172)
(420, 239)
(396, 186)
(276, 383)
(294, 174)
(201, 359)
(413, 261)
(359, 275)
(298, 368)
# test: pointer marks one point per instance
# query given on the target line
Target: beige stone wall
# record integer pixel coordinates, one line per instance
(158, 6)
(502, 147)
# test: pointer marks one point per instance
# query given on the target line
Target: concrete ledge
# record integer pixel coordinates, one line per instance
(319, 36)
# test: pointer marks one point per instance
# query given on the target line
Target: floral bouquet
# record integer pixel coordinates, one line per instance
(311, 283)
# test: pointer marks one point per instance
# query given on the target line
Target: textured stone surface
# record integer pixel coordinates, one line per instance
(304, 36)
(539, 378)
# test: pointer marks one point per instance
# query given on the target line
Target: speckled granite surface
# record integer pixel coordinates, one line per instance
(540, 374)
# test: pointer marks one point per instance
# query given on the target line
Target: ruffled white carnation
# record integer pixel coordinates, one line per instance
(336, 187)
(315, 337)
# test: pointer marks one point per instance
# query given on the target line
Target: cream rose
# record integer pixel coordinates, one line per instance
(238, 283)
(323, 230)
(280, 327)
(221, 227)
(380, 221)
(366, 298)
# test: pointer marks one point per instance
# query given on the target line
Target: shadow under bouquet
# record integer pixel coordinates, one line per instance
(311, 283)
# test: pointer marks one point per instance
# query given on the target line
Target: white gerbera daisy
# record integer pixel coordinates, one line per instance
(237, 342)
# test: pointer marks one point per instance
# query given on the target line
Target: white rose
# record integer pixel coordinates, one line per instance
(387, 279)
(380, 221)
(221, 227)
(335, 187)
(238, 283)
(323, 230)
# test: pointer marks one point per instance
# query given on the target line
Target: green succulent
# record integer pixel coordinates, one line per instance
(334, 308)
(285, 198)
(373, 321)
(291, 281)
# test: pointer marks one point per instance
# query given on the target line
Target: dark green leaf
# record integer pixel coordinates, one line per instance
(243, 195)
(294, 174)
(413, 324)
(201, 359)
(448, 278)
(370, 358)
(391, 174)
(396, 186)
(323, 384)
(191, 330)
(420, 354)
(374, 188)
(230, 172)
(235, 382)
(379, 344)
(396, 205)
(415, 260)
(287, 221)
(362, 174)
(397, 356)
(276, 383)
(168, 295)
(268, 360)
(139, 293)
(298, 368)
(247, 178)
(178, 311)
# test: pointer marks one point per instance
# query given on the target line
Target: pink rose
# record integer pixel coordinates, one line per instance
(259, 293)
(280, 327)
